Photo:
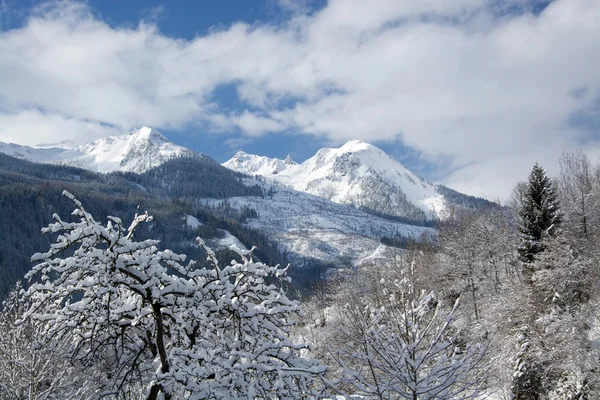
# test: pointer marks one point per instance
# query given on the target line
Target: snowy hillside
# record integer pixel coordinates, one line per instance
(259, 165)
(308, 226)
(357, 174)
(137, 151)
(226, 241)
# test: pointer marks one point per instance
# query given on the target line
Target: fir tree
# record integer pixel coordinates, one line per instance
(527, 381)
(539, 213)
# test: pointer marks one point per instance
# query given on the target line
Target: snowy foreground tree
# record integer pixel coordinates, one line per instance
(402, 344)
(159, 329)
(556, 359)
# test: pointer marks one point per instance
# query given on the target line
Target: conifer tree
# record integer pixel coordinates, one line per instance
(538, 212)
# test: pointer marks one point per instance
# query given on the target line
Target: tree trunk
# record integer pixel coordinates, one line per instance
(162, 352)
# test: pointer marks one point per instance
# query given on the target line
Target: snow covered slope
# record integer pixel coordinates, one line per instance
(137, 151)
(259, 165)
(357, 174)
(311, 227)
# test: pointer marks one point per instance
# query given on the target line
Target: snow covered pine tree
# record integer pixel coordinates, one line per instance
(160, 329)
(538, 212)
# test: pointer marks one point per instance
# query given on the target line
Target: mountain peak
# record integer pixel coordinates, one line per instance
(138, 151)
(150, 134)
(288, 160)
(357, 173)
(356, 145)
(258, 165)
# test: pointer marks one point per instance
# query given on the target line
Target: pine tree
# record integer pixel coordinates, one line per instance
(527, 381)
(539, 213)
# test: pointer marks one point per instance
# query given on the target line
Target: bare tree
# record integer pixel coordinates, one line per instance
(175, 330)
(405, 346)
(31, 369)
(578, 194)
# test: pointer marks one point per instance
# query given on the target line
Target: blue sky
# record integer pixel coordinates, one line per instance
(468, 93)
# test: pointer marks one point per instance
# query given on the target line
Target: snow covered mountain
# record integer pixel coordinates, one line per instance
(311, 227)
(357, 174)
(137, 151)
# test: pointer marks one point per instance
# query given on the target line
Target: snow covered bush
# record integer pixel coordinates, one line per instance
(154, 325)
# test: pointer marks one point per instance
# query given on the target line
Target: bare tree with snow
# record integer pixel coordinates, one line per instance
(168, 329)
(579, 194)
(405, 346)
(31, 369)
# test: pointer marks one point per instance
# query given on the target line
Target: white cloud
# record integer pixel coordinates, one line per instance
(455, 79)
(255, 125)
(31, 127)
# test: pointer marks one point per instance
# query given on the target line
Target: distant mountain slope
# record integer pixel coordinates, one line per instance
(311, 227)
(137, 151)
(190, 178)
(458, 200)
(259, 165)
(357, 174)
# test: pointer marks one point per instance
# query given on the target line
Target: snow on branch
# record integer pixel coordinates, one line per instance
(172, 329)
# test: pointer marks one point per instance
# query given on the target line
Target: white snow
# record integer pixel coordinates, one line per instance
(346, 175)
(192, 222)
(307, 226)
(137, 151)
(228, 241)
(595, 335)
(259, 165)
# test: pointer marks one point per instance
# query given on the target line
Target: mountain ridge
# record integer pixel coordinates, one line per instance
(137, 151)
(287, 226)
(358, 174)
